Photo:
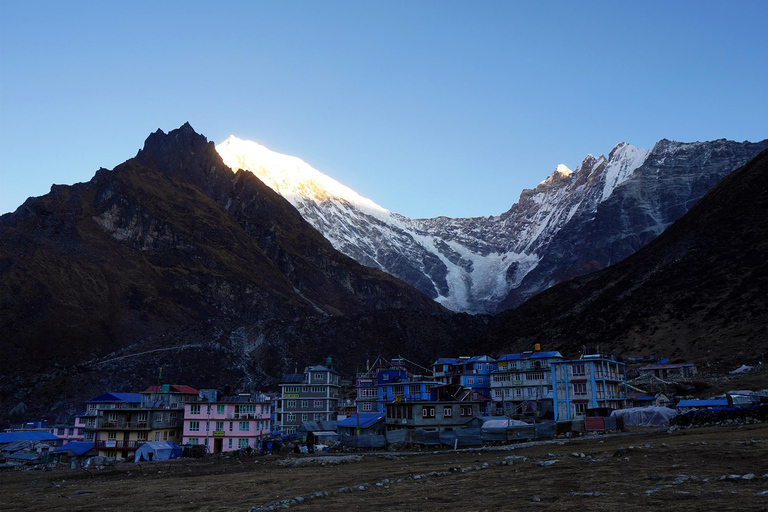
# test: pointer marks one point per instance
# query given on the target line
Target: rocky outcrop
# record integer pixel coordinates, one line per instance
(169, 256)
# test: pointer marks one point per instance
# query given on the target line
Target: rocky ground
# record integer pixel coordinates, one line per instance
(710, 468)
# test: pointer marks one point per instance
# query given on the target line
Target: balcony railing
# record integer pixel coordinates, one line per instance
(137, 425)
(118, 444)
(248, 416)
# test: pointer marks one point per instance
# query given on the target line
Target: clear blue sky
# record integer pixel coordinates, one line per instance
(427, 107)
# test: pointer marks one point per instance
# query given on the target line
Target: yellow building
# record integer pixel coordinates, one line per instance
(118, 423)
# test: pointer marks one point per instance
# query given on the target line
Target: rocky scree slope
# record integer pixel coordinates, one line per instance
(695, 293)
(573, 223)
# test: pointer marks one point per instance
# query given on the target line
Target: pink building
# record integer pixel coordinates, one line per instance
(229, 423)
(74, 432)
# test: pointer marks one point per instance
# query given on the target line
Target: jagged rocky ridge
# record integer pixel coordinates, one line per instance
(694, 293)
(174, 260)
(571, 224)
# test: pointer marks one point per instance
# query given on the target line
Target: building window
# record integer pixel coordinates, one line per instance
(219, 426)
(230, 426)
(318, 417)
(230, 442)
(194, 426)
(318, 376)
(304, 417)
(165, 435)
(304, 404)
(292, 389)
(244, 426)
(318, 404)
(290, 417)
(580, 388)
(242, 443)
(194, 409)
(111, 435)
(428, 412)
(207, 426)
(470, 380)
(367, 406)
(466, 411)
(193, 441)
(579, 369)
(220, 409)
(447, 411)
(318, 389)
(157, 436)
(292, 404)
(580, 409)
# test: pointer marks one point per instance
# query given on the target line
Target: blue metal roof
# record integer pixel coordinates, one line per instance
(134, 398)
(292, 378)
(715, 402)
(478, 358)
(446, 360)
(77, 447)
(537, 355)
(529, 355)
(367, 419)
(12, 437)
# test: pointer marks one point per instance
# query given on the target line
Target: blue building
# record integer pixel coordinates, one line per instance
(522, 383)
(593, 381)
(387, 383)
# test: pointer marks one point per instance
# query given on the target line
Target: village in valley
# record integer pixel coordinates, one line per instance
(459, 402)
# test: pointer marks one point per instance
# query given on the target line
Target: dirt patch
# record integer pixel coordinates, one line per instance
(709, 468)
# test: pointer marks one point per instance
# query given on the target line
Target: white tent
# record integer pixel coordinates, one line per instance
(646, 416)
(158, 450)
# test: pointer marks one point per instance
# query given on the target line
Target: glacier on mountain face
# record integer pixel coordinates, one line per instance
(475, 264)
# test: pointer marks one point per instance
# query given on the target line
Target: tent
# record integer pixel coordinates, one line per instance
(158, 450)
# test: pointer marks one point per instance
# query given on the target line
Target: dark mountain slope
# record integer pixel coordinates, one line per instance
(171, 239)
(697, 292)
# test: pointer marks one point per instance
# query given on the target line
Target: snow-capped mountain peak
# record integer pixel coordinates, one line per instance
(573, 223)
(289, 176)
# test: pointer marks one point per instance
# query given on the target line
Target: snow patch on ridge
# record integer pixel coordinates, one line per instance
(622, 162)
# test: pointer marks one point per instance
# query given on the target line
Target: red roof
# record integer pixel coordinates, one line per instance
(176, 388)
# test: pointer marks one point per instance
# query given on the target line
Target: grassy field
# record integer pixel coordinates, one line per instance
(634, 471)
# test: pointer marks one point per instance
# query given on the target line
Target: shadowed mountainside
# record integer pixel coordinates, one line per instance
(697, 292)
(172, 259)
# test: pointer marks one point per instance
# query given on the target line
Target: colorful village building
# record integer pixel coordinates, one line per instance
(227, 423)
(594, 381)
(390, 382)
(522, 383)
(668, 371)
(309, 396)
(472, 373)
(119, 423)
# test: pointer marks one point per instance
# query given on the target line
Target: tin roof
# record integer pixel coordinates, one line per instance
(10, 437)
(713, 402)
(666, 366)
(77, 447)
(529, 355)
(174, 388)
(116, 397)
(292, 378)
(367, 419)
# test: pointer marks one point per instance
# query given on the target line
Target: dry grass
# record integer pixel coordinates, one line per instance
(621, 476)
